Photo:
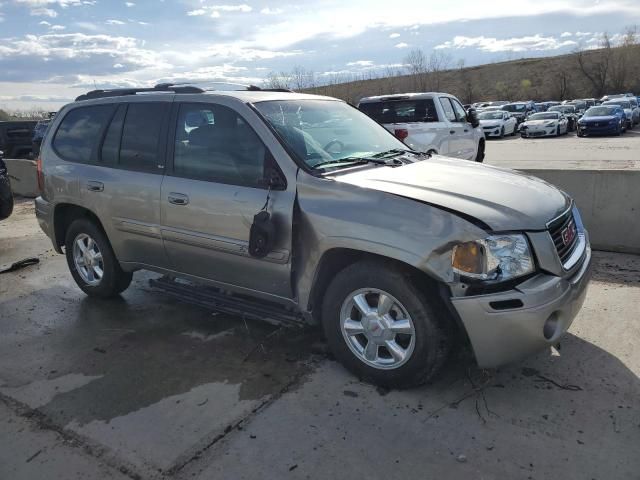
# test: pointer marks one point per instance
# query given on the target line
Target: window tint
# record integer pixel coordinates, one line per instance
(140, 145)
(461, 115)
(401, 111)
(214, 143)
(80, 132)
(111, 145)
(448, 109)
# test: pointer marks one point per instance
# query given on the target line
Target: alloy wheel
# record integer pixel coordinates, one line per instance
(377, 328)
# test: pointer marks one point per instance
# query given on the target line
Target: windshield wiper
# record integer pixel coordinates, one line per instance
(355, 161)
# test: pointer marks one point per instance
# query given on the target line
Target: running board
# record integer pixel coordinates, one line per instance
(213, 299)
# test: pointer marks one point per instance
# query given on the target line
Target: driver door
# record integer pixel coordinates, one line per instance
(214, 186)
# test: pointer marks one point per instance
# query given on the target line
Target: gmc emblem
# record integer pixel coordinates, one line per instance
(568, 233)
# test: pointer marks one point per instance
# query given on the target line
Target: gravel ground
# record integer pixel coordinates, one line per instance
(147, 387)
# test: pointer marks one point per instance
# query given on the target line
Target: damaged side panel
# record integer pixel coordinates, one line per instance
(334, 215)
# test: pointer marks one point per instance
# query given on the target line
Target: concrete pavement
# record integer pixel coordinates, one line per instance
(147, 387)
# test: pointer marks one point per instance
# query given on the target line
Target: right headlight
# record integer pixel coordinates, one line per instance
(497, 257)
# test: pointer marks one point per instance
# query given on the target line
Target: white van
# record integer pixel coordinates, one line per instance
(429, 122)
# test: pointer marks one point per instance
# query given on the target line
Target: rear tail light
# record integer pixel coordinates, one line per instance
(40, 174)
(401, 133)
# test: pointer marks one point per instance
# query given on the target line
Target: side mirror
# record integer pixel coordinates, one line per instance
(472, 117)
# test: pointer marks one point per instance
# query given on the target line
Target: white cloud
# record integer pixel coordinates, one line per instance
(197, 12)
(271, 11)
(57, 28)
(232, 8)
(44, 22)
(130, 4)
(583, 34)
(516, 44)
(114, 22)
(118, 65)
(401, 45)
(360, 63)
(566, 34)
(394, 35)
(43, 12)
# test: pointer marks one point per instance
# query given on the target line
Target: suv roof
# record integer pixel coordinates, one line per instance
(252, 94)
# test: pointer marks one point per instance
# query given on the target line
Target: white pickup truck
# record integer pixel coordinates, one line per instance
(429, 122)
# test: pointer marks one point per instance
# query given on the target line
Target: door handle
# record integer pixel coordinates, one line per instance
(452, 132)
(178, 199)
(94, 186)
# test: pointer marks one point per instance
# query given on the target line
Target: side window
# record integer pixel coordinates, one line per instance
(448, 109)
(111, 146)
(214, 143)
(80, 132)
(140, 146)
(461, 114)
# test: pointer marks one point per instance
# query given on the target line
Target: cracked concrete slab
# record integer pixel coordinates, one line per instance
(155, 388)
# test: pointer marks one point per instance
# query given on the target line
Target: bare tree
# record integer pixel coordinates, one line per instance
(416, 63)
(278, 80)
(301, 79)
(562, 85)
(468, 90)
(439, 62)
(596, 64)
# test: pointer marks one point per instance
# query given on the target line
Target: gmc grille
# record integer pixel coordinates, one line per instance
(556, 228)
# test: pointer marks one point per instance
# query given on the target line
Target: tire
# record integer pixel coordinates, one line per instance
(6, 197)
(618, 131)
(113, 280)
(480, 153)
(425, 350)
(513, 132)
(502, 133)
(558, 131)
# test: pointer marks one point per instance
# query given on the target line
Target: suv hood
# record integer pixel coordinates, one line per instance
(500, 198)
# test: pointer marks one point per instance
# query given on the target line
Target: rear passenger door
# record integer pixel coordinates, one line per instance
(212, 190)
(123, 186)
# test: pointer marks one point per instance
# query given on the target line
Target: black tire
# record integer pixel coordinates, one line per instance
(6, 197)
(114, 280)
(432, 326)
(502, 133)
(558, 131)
(480, 153)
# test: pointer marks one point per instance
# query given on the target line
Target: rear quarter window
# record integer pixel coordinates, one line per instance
(80, 132)
(401, 111)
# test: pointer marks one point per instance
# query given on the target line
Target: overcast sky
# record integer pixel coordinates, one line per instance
(52, 50)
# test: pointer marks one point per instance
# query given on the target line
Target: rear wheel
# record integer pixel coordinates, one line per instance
(382, 328)
(92, 262)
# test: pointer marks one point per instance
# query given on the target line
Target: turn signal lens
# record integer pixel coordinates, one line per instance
(468, 258)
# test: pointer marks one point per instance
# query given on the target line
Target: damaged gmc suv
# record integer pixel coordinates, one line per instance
(300, 208)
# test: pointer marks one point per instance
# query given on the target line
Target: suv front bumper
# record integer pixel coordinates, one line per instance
(549, 305)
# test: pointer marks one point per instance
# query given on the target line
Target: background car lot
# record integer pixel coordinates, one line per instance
(147, 387)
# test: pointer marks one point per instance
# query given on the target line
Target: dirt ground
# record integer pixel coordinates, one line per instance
(147, 387)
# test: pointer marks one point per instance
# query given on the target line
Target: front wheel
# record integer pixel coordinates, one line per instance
(382, 328)
(92, 262)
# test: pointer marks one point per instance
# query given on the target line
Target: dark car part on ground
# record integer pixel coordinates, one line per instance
(6, 195)
(25, 262)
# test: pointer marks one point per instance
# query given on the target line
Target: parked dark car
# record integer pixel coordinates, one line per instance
(38, 134)
(520, 110)
(6, 196)
(569, 111)
(15, 138)
(602, 120)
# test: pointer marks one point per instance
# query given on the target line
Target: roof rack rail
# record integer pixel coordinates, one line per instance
(161, 87)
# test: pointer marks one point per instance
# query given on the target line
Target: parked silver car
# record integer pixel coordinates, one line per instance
(305, 205)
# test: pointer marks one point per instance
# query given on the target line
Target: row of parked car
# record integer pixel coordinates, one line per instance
(612, 114)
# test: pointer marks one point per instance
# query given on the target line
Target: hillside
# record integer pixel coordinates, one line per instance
(606, 70)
